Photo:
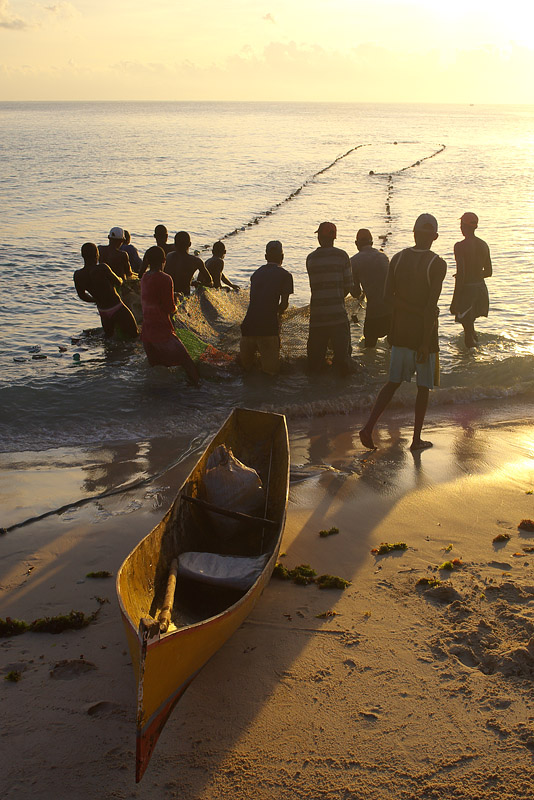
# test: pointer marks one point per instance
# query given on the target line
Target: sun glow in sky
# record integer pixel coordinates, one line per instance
(336, 50)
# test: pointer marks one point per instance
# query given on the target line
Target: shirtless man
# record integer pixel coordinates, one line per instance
(473, 264)
(215, 266)
(182, 266)
(114, 257)
(414, 282)
(97, 283)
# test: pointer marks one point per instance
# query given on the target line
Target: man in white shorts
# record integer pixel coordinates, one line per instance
(414, 282)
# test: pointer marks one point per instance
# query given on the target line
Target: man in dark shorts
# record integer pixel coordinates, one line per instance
(330, 275)
(270, 287)
(414, 282)
(114, 257)
(215, 266)
(97, 283)
(473, 264)
(369, 273)
(182, 266)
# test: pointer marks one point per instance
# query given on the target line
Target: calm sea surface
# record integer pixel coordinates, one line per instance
(69, 172)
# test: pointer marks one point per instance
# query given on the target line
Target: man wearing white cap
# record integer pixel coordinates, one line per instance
(414, 282)
(113, 256)
(473, 264)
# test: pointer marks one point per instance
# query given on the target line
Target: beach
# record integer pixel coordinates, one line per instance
(384, 690)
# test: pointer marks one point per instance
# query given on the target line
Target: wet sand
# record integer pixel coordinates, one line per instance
(403, 692)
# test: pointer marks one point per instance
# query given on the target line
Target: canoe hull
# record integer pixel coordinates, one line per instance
(165, 664)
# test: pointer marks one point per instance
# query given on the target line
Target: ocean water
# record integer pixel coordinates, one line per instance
(250, 173)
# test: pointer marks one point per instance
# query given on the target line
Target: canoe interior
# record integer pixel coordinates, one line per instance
(257, 439)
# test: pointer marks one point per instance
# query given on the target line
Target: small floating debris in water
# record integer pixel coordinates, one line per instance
(62, 348)
(371, 172)
(19, 359)
(34, 349)
(75, 341)
(526, 525)
(39, 356)
(76, 357)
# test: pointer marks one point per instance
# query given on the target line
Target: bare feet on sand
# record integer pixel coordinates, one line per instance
(367, 440)
(420, 445)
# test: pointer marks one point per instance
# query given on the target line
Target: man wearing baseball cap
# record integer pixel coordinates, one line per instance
(330, 277)
(473, 264)
(270, 287)
(113, 256)
(414, 282)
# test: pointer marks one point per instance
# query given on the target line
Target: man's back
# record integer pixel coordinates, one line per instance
(267, 285)
(369, 270)
(100, 282)
(330, 275)
(117, 259)
(473, 258)
(181, 267)
(412, 272)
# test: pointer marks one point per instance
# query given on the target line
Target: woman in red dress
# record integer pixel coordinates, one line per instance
(161, 344)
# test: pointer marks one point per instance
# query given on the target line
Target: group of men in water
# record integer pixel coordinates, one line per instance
(402, 297)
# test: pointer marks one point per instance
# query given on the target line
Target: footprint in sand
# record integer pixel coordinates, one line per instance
(71, 668)
(104, 709)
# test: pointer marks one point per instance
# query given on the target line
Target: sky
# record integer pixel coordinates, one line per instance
(453, 51)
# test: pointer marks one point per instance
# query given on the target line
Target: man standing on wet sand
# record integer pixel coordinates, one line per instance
(97, 283)
(473, 264)
(369, 273)
(330, 275)
(414, 282)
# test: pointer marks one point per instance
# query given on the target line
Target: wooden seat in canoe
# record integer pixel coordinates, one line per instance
(231, 572)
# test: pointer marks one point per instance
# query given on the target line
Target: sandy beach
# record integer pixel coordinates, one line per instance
(399, 692)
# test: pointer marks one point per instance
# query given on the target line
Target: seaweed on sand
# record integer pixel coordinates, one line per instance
(330, 532)
(526, 525)
(103, 573)
(75, 620)
(13, 675)
(431, 583)
(456, 563)
(331, 582)
(502, 537)
(387, 547)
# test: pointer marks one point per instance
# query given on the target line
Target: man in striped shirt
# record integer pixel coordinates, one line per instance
(330, 274)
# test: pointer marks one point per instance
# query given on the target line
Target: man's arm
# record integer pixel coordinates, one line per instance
(203, 275)
(229, 283)
(431, 311)
(487, 270)
(81, 291)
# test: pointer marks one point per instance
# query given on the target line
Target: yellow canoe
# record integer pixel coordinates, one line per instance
(219, 579)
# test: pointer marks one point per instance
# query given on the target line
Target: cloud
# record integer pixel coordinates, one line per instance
(62, 9)
(7, 20)
(270, 18)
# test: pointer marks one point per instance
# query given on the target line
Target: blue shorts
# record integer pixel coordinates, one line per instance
(403, 364)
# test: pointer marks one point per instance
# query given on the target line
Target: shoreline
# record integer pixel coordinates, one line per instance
(402, 693)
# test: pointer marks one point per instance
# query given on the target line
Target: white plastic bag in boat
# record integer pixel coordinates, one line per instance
(232, 572)
(232, 485)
